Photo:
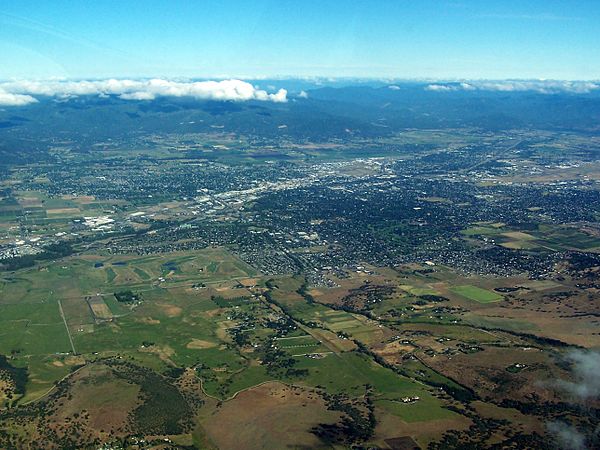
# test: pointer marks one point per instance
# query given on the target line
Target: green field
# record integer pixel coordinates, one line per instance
(543, 238)
(420, 411)
(477, 294)
(167, 324)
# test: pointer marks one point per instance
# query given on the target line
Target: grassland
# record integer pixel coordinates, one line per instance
(211, 315)
(169, 317)
(545, 237)
(477, 294)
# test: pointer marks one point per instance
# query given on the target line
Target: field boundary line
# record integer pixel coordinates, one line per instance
(62, 314)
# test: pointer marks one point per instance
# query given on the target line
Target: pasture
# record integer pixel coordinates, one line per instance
(169, 321)
(476, 294)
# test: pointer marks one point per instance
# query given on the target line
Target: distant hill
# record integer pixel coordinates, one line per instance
(327, 112)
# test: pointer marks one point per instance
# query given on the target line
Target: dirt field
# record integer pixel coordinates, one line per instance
(269, 416)
(486, 372)
(390, 426)
(198, 344)
(106, 399)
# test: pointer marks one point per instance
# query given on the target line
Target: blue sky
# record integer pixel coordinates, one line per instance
(336, 38)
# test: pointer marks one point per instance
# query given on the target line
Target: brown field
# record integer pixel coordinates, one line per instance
(269, 416)
(545, 313)
(59, 211)
(389, 426)
(106, 399)
(591, 170)
(163, 352)
(148, 320)
(518, 235)
(519, 420)
(199, 344)
(485, 372)
(30, 202)
(331, 340)
(101, 311)
(229, 292)
(392, 352)
(249, 282)
(82, 199)
(170, 310)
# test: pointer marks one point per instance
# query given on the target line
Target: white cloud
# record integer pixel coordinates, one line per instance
(235, 90)
(567, 436)
(303, 94)
(585, 369)
(539, 86)
(8, 99)
(440, 87)
(467, 87)
(139, 95)
(393, 87)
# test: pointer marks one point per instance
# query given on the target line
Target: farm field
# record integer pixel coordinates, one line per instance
(418, 344)
(235, 292)
(186, 312)
(477, 294)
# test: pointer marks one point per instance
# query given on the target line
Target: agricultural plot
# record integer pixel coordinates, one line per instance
(332, 341)
(350, 372)
(208, 265)
(543, 238)
(262, 407)
(476, 294)
(341, 322)
(300, 345)
(563, 238)
(169, 322)
(422, 410)
(418, 290)
(32, 330)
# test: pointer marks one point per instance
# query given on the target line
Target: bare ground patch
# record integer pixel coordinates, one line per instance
(199, 344)
(269, 416)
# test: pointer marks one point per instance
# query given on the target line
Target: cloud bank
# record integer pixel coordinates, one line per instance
(539, 86)
(8, 99)
(17, 93)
